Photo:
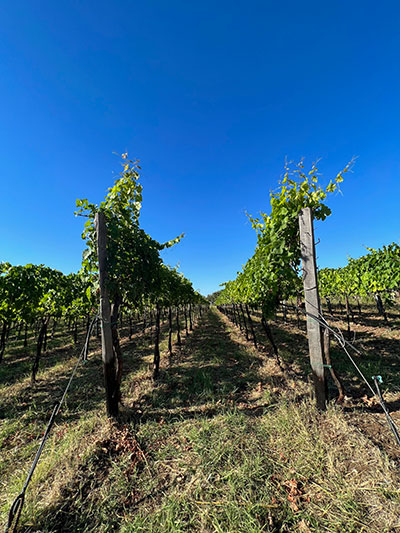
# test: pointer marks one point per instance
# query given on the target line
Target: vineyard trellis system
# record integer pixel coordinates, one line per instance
(285, 258)
(124, 277)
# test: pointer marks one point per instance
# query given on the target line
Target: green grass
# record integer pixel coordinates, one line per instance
(223, 442)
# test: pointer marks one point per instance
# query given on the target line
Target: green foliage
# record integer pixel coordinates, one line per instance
(33, 291)
(136, 273)
(376, 272)
(212, 298)
(272, 273)
(175, 288)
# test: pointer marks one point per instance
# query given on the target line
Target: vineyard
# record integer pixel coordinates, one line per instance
(132, 403)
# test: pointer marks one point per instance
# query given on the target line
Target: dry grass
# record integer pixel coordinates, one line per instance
(223, 442)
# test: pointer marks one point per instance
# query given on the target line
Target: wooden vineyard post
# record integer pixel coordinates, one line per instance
(156, 363)
(311, 297)
(178, 330)
(110, 379)
(190, 318)
(170, 330)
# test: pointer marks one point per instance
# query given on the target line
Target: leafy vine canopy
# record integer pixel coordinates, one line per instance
(272, 273)
(133, 257)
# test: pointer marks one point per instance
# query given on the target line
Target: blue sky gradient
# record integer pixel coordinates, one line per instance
(211, 97)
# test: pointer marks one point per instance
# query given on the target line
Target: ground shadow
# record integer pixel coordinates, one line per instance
(211, 368)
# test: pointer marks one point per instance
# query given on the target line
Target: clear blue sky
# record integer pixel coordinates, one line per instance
(211, 97)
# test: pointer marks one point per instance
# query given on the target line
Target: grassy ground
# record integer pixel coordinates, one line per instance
(223, 442)
(379, 345)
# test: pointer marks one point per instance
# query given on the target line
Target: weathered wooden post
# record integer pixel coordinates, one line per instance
(170, 330)
(190, 318)
(246, 332)
(156, 362)
(178, 329)
(186, 319)
(311, 297)
(109, 367)
(251, 326)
